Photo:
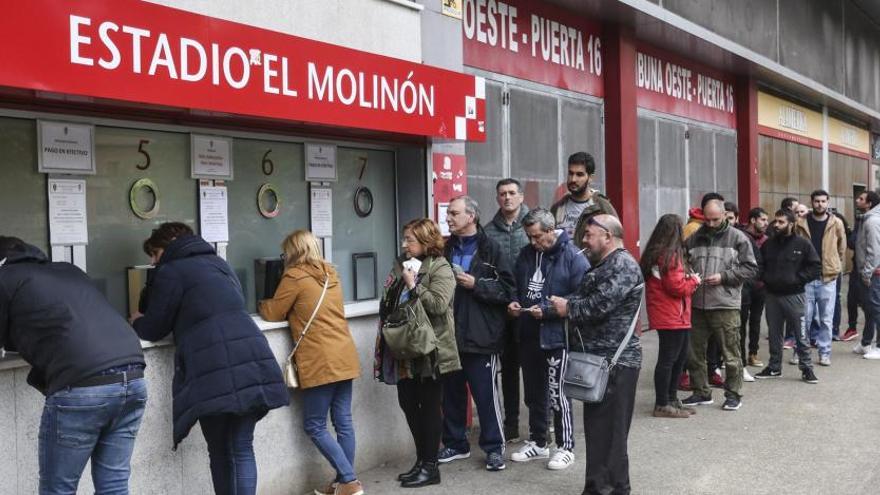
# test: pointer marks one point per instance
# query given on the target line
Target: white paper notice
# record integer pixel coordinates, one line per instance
(441, 219)
(68, 221)
(211, 157)
(320, 162)
(213, 213)
(321, 208)
(66, 148)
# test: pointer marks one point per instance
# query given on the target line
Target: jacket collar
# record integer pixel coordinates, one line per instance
(501, 223)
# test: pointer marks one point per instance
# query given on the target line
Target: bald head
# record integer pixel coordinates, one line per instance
(603, 235)
(713, 213)
(611, 223)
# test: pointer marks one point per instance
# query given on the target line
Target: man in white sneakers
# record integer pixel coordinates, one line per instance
(549, 266)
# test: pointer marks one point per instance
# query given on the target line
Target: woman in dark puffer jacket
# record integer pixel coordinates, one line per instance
(225, 375)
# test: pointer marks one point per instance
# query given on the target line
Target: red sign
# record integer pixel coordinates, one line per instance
(450, 176)
(138, 51)
(668, 84)
(531, 40)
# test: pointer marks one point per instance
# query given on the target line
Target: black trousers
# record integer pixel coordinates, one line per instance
(606, 428)
(542, 384)
(750, 324)
(671, 361)
(510, 365)
(421, 401)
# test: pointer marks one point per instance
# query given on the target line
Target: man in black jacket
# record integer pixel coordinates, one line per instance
(790, 262)
(84, 358)
(484, 289)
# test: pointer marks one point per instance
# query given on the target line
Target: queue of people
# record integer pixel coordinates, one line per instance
(511, 299)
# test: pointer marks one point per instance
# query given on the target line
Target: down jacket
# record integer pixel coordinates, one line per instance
(668, 296)
(327, 353)
(511, 238)
(725, 250)
(222, 362)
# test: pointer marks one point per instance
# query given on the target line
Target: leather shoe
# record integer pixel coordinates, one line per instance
(412, 471)
(429, 474)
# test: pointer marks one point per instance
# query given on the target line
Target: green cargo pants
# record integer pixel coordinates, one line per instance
(724, 325)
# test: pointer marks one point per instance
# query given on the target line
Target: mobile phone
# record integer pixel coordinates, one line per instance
(457, 269)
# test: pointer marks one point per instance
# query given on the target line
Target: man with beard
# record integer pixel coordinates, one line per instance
(507, 230)
(825, 231)
(723, 257)
(856, 296)
(790, 262)
(753, 292)
(581, 202)
(549, 265)
(600, 314)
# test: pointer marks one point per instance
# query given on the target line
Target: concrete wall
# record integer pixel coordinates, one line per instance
(376, 26)
(287, 460)
(834, 42)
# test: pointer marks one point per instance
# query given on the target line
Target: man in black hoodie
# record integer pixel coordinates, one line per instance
(84, 358)
(790, 262)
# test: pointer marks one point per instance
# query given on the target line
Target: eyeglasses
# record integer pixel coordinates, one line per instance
(593, 221)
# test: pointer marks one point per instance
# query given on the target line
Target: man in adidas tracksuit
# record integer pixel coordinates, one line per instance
(549, 266)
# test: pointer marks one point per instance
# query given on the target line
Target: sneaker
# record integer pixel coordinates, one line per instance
(698, 400)
(684, 382)
(529, 451)
(767, 373)
(669, 412)
(511, 434)
(732, 404)
(561, 459)
(754, 361)
(330, 489)
(351, 488)
(788, 344)
(835, 338)
(448, 454)
(794, 359)
(808, 376)
(850, 334)
(873, 353)
(862, 349)
(494, 462)
(681, 407)
(716, 381)
(747, 377)
(825, 360)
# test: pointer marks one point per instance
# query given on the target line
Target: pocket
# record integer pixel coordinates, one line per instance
(79, 426)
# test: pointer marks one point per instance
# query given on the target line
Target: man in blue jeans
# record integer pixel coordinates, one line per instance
(84, 358)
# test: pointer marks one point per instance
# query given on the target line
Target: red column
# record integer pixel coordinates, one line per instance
(747, 145)
(622, 130)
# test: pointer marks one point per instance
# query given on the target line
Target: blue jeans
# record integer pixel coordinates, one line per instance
(820, 301)
(230, 441)
(334, 398)
(100, 423)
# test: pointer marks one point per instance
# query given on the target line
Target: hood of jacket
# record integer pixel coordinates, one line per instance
(24, 253)
(184, 247)
(696, 213)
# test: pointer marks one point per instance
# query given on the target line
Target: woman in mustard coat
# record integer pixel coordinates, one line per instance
(326, 358)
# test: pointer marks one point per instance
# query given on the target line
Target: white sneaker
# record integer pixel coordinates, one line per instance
(794, 359)
(872, 353)
(747, 377)
(862, 349)
(826, 360)
(561, 459)
(530, 451)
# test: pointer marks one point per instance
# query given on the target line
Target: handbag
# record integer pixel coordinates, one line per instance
(586, 375)
(408, 332)
(291, 373)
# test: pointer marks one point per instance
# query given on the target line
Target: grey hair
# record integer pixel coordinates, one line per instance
(540, 216)
(470, 206)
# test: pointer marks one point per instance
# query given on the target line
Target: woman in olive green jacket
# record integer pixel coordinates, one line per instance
(418, 380)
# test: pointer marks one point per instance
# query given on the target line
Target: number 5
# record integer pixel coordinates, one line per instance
(142, 151)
